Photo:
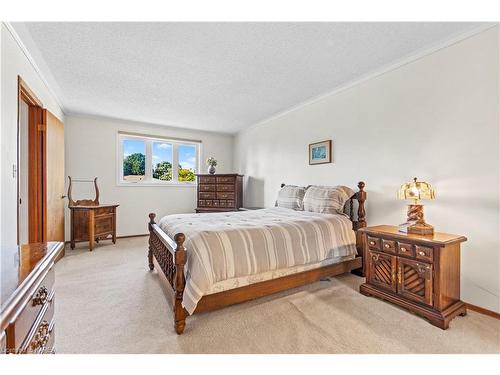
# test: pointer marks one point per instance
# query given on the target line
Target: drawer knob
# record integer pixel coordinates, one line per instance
(372, 242)
(421, 253)
(41, 296)
(403, 249)
(387, 246)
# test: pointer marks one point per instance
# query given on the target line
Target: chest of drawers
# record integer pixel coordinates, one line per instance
(28, 294)
(419, 273)
(219, 192)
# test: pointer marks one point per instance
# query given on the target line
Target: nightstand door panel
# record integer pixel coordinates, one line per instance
(382, 270)
(415, 280)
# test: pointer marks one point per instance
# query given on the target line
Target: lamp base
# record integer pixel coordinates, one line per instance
(416, 223)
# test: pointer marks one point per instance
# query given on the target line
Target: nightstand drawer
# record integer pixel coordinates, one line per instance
(406, 250)
(424, 253)
(374, 243)
(389, 246)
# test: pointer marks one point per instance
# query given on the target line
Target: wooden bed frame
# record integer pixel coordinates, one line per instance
(169, 257)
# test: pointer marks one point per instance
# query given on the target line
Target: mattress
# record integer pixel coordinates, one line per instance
(233, 248)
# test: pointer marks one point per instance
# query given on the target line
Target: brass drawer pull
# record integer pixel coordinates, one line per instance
(421, 253)
(41, 337)
(41, 296)
(372, 242)
(403, 249)
(387, 246)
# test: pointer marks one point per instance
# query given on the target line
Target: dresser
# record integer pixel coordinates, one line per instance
(418, 272)
(27, 297)
(93, 223)
(219, 192)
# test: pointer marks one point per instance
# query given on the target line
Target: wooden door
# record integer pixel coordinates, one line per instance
(415, 280)
(381, 270)
(55, 176)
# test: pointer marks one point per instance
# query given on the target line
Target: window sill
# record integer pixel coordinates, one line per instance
(158, 184)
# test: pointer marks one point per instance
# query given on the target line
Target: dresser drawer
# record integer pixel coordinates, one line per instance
(225, 195)
(103, 225)
(389, 246)
(225, 179)
(374, 243)
(406, 250)
(229, 203)
(225, 187)
(424, 253)
(208, 203)
(207, 180)
(222, 203)
(41, 337)
(104, 211)
(204, 187)
(42, 296)
(207, 195)
(215, 203)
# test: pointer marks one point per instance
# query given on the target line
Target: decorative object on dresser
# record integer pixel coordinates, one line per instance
(418, 272)
(27, 297)
(168, 254)
(416, 190)
(212, 163)
(91, 221)
(220, 192)
(320, 152)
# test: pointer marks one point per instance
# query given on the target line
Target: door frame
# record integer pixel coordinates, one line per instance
(37, 201)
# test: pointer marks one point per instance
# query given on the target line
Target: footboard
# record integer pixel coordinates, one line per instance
(170, 257)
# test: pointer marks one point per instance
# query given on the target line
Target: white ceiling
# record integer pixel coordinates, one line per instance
(215, 76)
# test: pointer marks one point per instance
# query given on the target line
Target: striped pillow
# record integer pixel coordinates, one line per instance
(291, 196)
(327, 199)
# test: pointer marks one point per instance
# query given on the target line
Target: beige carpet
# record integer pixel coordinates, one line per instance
(107, 301)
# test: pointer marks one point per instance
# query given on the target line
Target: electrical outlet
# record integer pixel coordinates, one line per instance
(14, 171)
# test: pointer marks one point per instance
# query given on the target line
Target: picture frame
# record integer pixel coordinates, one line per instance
(320, 152)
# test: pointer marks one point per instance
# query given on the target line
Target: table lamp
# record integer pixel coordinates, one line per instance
(416, 190)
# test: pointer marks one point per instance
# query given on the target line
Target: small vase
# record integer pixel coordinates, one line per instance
(211, 169)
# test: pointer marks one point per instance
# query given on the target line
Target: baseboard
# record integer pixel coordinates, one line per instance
(119, 237)
(482, 310)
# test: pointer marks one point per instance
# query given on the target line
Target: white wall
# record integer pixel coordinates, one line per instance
(90, 144)
(14, 63)
(436, 118)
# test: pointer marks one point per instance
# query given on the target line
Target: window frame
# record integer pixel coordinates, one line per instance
(148, 172)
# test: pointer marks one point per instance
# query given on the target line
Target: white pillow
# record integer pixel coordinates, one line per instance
(327, 199)
(291, 196)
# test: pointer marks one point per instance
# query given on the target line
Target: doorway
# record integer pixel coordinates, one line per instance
(31, 184)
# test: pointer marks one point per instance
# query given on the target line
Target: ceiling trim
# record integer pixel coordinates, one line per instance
(33, 63)
(378, 72)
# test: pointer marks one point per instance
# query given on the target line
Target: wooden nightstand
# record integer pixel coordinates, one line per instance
(419, 273)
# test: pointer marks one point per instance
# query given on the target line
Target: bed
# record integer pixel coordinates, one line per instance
(209, 261)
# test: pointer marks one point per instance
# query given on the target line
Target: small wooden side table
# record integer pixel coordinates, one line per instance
(418, 272)
(93, 223)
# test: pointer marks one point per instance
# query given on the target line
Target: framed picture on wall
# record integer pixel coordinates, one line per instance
(320, 152)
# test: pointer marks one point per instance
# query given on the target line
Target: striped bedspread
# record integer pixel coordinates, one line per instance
(227, 245)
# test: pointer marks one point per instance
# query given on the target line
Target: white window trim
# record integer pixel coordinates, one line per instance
(148, 178)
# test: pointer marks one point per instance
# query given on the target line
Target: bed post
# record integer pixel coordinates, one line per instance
(360, 223)
(150, 248)
(180, 281)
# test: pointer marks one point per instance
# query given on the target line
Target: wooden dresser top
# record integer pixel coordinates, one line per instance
(435, 239)
(219, 174)
(21, 266)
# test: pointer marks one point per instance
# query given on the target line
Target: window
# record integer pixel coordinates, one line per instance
(156, 161)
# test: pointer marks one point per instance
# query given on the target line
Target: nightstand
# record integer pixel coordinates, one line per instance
(420, 273)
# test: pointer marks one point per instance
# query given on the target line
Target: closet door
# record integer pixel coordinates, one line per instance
(55, 176)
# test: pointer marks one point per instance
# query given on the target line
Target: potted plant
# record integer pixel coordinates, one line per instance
(212, 163)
